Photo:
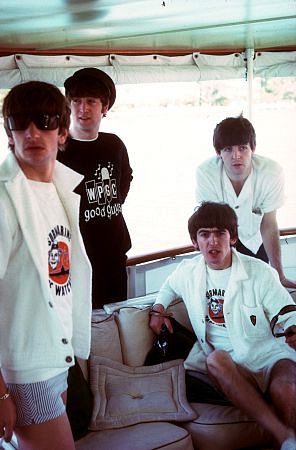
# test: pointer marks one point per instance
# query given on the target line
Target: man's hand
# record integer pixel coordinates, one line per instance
(290, 334)
(7, 418)
(157, 319)
(289, 284)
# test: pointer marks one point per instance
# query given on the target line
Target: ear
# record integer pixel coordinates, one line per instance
(218, 152)
(105, 109)
(233, 241)
(195, 244)
(10, 141)
(63, 134)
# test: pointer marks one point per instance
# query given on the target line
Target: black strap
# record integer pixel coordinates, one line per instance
(285, 310)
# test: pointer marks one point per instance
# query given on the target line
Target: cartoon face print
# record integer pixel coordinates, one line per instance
(54, 256)
(215, 308)
(58, 262)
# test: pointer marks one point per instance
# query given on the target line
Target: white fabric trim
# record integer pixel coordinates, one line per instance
(124, 69)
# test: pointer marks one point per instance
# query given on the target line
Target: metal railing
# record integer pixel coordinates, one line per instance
(173, 252)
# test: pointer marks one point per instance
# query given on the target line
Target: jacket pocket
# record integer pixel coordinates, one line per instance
(254, 322)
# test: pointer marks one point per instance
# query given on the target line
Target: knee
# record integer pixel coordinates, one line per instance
(283, 379)
(217, 361)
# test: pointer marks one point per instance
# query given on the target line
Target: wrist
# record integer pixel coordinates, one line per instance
(159, 311)
(157, 307)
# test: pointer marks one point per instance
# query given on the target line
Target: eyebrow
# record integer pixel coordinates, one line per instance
(211, 229)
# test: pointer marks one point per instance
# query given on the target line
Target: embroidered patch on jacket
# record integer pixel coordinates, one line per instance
(253, 320)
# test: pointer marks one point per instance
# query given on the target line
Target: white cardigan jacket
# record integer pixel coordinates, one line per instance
(31, 334)
(253, 290)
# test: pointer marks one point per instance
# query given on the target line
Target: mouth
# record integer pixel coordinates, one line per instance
(214, 252)
(33, 147)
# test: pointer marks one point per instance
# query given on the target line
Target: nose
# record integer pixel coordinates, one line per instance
(32, 131)
(213, 238)
(235, 152)
(83, 105)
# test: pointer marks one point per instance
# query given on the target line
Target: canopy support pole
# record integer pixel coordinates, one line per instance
(250, 75)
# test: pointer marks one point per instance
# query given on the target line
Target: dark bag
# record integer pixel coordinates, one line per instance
(168, 346)
(199, 391)
(79, 402)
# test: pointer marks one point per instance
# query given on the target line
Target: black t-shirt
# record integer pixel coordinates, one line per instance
(107, 174)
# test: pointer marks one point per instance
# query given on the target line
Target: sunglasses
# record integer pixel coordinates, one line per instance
(42, 121)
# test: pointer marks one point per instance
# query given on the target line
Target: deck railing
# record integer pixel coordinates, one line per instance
(173, 252)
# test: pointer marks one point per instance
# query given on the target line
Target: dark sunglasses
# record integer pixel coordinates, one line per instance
(22, 121)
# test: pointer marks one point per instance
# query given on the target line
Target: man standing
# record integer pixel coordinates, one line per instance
(251, 184)
(244, 321)
(103, 160)
(45, 275)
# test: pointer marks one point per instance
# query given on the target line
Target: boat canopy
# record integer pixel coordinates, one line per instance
(138, 41)
(123, 69)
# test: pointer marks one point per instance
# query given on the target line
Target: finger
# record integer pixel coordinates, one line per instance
(169, 325)
(8, 434)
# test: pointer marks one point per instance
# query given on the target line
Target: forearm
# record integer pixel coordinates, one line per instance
(3, 388)
(272, 247)
(271, 241)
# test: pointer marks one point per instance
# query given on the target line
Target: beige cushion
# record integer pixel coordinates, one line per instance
(135, 335)
(144, 436)
(128, 395)
(224, 428)
(179, 311)
(104, 336)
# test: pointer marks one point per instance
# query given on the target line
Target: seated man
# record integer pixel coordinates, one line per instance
(251, 184)
(236, 305)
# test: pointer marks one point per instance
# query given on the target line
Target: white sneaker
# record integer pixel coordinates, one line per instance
(289, 444)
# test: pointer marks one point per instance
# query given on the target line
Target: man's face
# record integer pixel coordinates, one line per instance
(86, 114)
(54, 257)
(35, 149)
(237, 161)
(215, 246)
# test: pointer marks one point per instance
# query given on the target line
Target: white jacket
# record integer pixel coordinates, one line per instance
(253, 290)
(31, 333)
(263, 192)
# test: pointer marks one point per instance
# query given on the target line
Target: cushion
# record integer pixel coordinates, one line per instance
(104, 336)
(179, 311)
(143, 436)
(135, 335)
(225, 428)
(126, 395)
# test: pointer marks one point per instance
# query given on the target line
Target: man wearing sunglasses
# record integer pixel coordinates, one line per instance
(103, 160)
(45, 275)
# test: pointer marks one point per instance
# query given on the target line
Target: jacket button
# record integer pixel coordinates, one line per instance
(69, 359)
(65, 341)
(50, 304)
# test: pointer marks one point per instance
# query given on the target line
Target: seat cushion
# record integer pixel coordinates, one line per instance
(220, 427)
(144, 436)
